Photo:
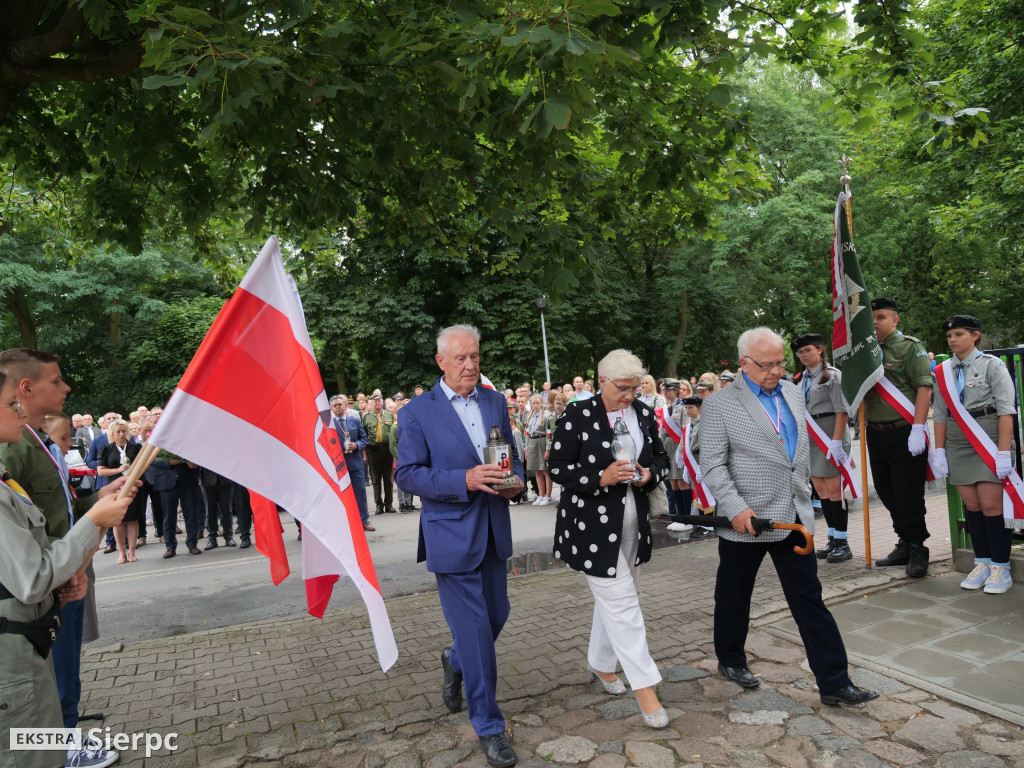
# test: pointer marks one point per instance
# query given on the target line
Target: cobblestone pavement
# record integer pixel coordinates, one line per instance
(304, 692)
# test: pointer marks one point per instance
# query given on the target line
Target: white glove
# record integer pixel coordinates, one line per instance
(700, 476)
(686, 475)
(940, 466)
(835, 451)
(918, 439)
(1004, 465)
(679, 460)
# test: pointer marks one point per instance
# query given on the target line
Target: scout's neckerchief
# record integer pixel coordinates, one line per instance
(820, 439)
(902, 405)
(707, 501)
(1013, 487)
(671, 428)
(5, 476)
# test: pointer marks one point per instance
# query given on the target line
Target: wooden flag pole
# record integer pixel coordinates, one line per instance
(845, 181)
(140, 465)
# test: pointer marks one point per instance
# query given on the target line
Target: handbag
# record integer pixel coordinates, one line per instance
(657, 501)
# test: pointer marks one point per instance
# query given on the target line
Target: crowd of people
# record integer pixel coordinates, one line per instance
(752, 446)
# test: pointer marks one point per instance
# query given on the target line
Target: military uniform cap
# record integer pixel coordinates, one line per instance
(670, 384)
(967, 322)
(884, 302)
(694, 400)
(810, 338)
(727, 377)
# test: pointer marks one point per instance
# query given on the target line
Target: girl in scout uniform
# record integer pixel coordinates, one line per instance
(35, 578)
(986, 391)
(823, 393)
(537, 449)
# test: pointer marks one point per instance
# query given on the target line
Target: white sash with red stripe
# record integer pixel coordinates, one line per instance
(1013, 486)
(704, 497)
(817, 434)
(671, 428)
(902, 405)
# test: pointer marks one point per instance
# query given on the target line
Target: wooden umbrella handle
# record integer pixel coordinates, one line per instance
(808, 546)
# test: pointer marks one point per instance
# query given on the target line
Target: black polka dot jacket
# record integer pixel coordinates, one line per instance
(588, 526)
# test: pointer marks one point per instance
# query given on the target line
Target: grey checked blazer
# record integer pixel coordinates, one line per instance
(745, 464)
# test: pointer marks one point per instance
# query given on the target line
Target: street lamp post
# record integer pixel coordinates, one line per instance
(541, 303)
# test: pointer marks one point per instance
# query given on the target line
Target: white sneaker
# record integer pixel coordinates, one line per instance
(547, 500)
(679, 527)
(91, 758)
(538, 501)
(999, 580)
(976, 579)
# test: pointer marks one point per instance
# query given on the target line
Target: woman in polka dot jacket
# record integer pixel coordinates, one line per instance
(601, 527)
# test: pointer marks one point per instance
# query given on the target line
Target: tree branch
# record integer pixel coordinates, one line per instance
(58, 40)
(120, 62)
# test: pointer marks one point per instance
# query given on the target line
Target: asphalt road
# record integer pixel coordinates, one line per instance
(225, 586)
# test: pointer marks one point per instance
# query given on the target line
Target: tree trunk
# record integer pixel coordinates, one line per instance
(338, 365)
(677, 345)
(114, 320)
(18, 304)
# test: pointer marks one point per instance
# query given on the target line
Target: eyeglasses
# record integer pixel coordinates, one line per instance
(768, 367)
(15, 406)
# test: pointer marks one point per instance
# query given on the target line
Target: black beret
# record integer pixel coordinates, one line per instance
(967, 322)
(808, 338)
(692, 401)
(884, 302)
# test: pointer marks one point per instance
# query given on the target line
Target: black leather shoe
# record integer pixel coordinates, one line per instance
(451, 691)
(840, 552)
(380, 511)
(740, 675)
(849, 694)
(917, 564)
(246, 543)
(827, 549)
(497, 751)
(899, 556)
(229, 542)
(391, 511)
(211, 544)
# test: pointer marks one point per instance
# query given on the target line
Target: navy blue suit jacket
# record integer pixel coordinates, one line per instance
(436, 452)
(357, 434)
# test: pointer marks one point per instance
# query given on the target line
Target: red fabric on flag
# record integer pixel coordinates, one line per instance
(269, 535)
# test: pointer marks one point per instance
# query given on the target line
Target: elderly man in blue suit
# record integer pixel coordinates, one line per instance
(350, 428)
(465, 531)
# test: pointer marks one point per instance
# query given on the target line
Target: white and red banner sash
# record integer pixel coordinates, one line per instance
(671, 428)
(846, 471)
(902, 405)
(1013, 486)
(704, 497)
(251, 406)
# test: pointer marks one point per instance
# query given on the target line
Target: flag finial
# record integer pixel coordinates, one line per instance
(844, 163)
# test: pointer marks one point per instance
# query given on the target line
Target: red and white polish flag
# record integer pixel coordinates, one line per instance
(252, 407)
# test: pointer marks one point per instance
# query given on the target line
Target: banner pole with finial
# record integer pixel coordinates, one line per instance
(844, 179)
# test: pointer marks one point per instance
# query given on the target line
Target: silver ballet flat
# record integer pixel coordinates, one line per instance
(616, 687)
(657, 719)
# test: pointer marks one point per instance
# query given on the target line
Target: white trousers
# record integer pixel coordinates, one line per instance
(618, 634)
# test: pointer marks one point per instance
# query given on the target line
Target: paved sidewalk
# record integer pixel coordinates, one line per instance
(303, 692)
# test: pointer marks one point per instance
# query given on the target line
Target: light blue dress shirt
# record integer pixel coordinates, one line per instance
(468, 411)
(775, 406)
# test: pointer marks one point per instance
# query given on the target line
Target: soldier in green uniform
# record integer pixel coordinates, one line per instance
(378, 423)
(897, 448)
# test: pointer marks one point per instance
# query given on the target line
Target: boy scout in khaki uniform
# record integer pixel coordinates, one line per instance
(897, 449)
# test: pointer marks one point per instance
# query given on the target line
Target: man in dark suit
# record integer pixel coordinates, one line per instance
(754, 455)
(350, 428)
(87, 431)
(465, 531)
(218, 492)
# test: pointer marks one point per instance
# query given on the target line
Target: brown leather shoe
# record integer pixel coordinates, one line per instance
(195, 551)
(169, 554)
(368, 527)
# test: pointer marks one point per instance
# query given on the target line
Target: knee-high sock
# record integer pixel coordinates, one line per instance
(979, 534)
(999, 538)
(683, 501)
(826, 509)
(840, 517)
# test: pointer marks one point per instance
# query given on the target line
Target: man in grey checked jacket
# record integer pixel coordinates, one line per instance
(754, 458)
